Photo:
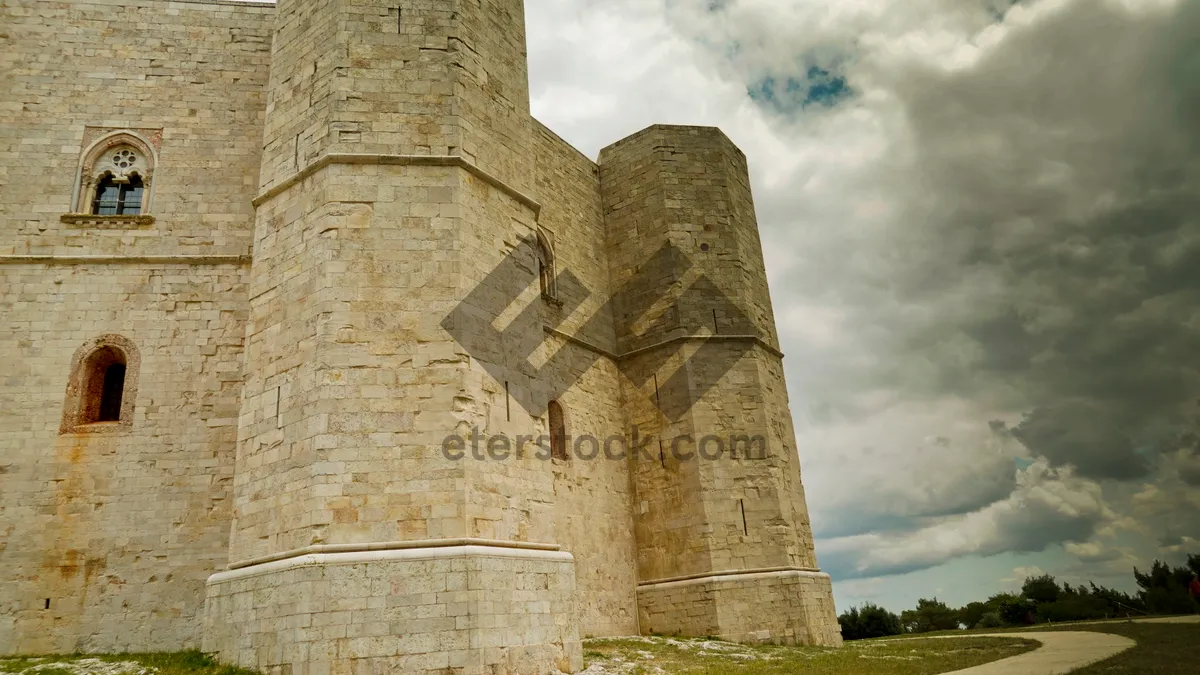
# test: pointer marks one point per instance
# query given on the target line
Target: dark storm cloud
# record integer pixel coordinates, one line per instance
(1081, 433)
(1034, 248)
(1064, 167)
(1189, 460)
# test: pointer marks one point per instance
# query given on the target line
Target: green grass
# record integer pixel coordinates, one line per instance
(174, 663)
(684, 656)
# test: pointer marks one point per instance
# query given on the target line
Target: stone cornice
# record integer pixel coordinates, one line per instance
(582, 343)
(695, 338)
(398, 160)
(361, 556)
(151, 259)
(391, 546)
(658, 345)
(733, 575)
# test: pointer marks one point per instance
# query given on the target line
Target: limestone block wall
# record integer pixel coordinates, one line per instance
(789, 607)
(593, 497)
(688, 186)
(512, 500)
(189, 75)
(106, 539)
(355, 268)
(352, 389)
(703, 370)
(376, 160)
(420, 78)
(467, 609)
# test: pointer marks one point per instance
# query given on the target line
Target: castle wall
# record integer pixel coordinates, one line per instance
(593, 497)
(118, 531)
(193, 70)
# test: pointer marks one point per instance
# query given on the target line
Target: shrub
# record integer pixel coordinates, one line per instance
(868, 622)
(990, 620)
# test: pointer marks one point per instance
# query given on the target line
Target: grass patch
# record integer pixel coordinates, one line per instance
(192, 662)
(683, 656)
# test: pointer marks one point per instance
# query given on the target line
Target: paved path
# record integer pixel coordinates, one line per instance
(1062, 651)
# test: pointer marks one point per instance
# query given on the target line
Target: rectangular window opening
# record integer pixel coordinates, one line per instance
(112, 390)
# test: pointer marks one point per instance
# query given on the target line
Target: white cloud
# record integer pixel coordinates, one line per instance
(1048, 506)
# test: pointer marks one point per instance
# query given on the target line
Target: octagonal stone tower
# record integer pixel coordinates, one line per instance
(724, 543)
(395, 164)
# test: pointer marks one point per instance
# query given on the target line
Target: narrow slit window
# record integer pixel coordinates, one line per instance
(546, 273)
(558, 432)
(110, 396)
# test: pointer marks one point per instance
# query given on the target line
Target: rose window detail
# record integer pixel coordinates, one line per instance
(123, 159)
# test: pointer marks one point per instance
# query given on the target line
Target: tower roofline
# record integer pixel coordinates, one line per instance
(672, 128)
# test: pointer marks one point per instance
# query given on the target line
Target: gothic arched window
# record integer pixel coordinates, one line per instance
(115, 183)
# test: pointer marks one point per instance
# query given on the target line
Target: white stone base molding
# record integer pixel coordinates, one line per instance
(468, 609)
(779, 606)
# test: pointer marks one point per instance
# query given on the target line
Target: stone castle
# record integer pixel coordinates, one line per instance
(251, 309)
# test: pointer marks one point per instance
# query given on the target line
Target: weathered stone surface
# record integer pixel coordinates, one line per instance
(326, 181)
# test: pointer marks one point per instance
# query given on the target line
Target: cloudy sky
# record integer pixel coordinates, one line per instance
(982, 227)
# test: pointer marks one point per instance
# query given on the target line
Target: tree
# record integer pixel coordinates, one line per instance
(928, 616)
(970, 614)
(1013, 609)
(868, 622)
(1164, 588)
(1074, 604)
(1043, 589)
(1119, 604)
